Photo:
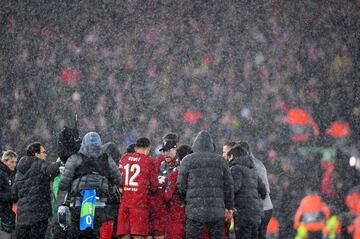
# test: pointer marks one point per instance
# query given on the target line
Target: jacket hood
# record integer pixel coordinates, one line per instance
(25, 163)
(244, 160)
(111, 149)
(203, 143)
(91, 145)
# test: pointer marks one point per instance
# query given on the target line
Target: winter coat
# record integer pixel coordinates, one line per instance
(89, 169)
(261, 170)
(248, 188)
(31, 189)
(205, 180)
(6, 181)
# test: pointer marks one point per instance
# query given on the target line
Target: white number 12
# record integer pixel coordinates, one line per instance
(135, 168)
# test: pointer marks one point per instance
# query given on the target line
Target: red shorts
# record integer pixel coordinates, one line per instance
(106, 230)
(158, 216)
(175, 230)
(132, 221)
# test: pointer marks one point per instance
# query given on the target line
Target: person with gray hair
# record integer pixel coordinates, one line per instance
(7, 174)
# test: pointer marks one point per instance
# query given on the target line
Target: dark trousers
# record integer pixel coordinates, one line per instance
(36, 230)
(215, 229)
(74, 230)
(56, 232)
(245, 229)
(315, 235)
(264, 222)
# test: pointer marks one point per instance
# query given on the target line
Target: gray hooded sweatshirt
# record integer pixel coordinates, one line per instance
(205, 181)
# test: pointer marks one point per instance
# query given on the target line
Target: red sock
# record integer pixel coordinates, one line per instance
(106, 230)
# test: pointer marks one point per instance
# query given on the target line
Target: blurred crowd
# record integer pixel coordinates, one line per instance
(132, 68)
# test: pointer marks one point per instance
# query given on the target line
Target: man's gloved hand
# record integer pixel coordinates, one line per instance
(161, 179)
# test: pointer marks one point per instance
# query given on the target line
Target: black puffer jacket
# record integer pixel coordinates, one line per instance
(6, 181)
(206, 180)
(32, 189)
(248, 188)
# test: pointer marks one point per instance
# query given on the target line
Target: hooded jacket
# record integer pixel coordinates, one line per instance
(31, 189)
(247, 189)
(205, 180)
(6, 181)
(89, 168)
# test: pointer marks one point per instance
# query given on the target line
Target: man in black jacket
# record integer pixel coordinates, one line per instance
(7, 173)
(266, 203)
(31, 190)
(248, 189)
(205, 180)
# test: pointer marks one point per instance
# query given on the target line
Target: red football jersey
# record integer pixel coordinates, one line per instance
(176, 206)
(138, 176)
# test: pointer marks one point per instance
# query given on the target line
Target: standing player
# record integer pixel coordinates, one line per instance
(164, 165)
(138, 177)
(176, 206)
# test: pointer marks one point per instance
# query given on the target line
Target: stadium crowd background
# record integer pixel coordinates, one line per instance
(145, 68)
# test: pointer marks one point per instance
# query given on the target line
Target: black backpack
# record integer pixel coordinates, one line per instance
(92, 174)
(92, 165)
(99, 168)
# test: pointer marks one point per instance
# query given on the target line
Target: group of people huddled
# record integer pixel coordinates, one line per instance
(184, 192)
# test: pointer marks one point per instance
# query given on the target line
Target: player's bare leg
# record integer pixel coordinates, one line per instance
(138, 237)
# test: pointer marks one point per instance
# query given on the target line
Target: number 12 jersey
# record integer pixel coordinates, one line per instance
(138, 177)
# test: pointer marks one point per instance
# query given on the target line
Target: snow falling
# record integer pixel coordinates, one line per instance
(134, 68)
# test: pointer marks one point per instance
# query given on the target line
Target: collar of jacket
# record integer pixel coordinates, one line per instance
(4, 168)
